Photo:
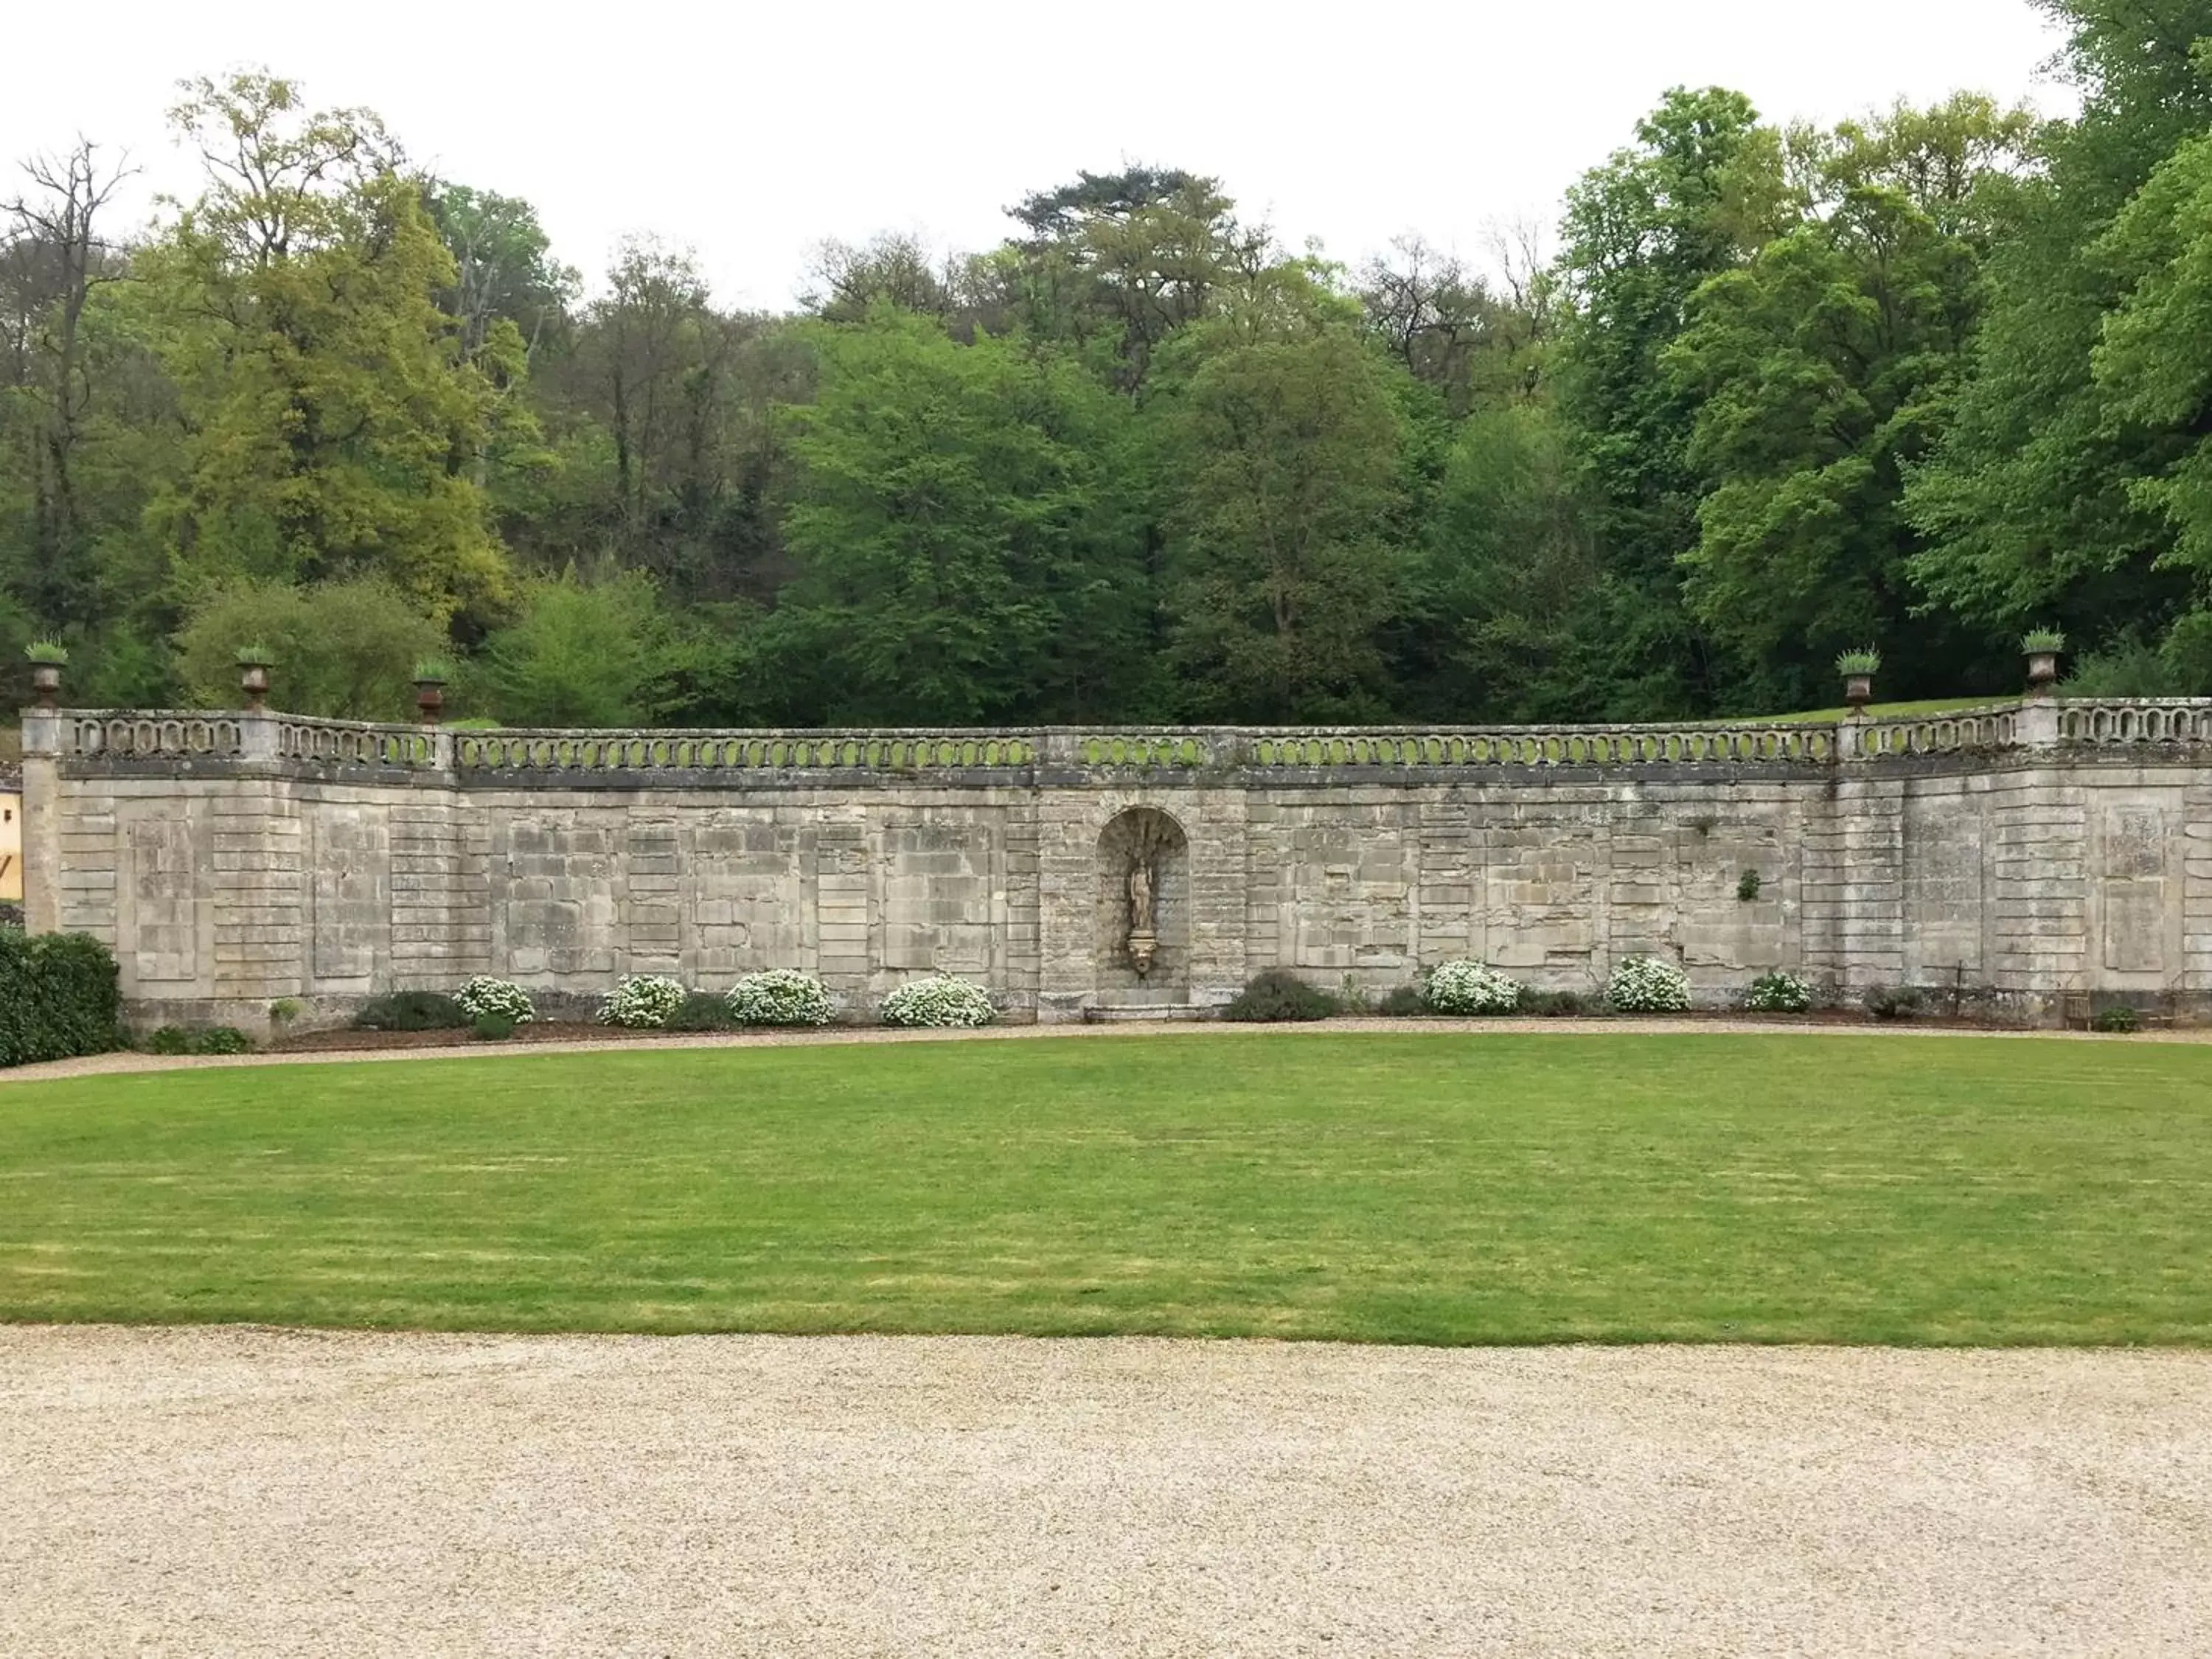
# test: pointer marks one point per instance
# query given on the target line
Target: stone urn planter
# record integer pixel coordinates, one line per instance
(2041, 649)
(1858, 669)
(47, 665)
(431, 674)
(253, 665)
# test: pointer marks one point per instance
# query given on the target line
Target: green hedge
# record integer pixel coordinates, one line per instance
(58, 997)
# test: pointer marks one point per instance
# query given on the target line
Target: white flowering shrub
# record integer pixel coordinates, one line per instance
(1471, 987)
(1779, 993)
(782, 996)
(642, 1001)
(939, 1003)
(502, 999)
(1645, 985)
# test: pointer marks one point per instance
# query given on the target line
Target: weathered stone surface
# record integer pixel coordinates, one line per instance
(2018, 857)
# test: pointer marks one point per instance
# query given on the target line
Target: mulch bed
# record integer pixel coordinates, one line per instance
(557, 1032)
(537, 1032)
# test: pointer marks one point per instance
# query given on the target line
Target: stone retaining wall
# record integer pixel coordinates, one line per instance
(2020, 855)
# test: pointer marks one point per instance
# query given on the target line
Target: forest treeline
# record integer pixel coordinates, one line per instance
(1919, 381)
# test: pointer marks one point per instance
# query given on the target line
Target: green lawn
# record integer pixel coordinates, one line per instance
(1880, 711)
(1399, 1188)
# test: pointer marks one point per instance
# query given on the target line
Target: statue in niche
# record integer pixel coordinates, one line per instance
(1143, 942)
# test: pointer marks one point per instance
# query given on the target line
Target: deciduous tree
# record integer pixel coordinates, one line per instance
(963, 550)
(333, 419)
(1284, 575)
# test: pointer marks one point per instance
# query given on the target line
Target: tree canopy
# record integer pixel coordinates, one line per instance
(1924, 377)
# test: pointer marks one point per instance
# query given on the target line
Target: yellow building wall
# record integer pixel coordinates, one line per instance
(11, 848)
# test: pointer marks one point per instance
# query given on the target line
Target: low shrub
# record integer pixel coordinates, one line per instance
(2118, 1021)
(782, 996)
(494, 1026)
(58, 997)
(1557, 1005)
(701, 1010)
(1645, 985)
(939, 1003)
(204, 1040)
(1473, 988)
(1406, 1002)
(485, 995)
(642, 1002)
(1280, 997)
(1892, 1002)
(1779, 993)
(412, 1010)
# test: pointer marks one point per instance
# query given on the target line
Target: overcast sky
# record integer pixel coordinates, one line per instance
(750, 131)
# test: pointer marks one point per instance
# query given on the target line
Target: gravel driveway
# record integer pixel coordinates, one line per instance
(245, 1491)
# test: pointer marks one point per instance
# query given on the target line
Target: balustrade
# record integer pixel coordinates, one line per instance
(1550, 746)
(739, 751)
(2114, 720)
(157, 735)
(1940, 734)
(89, 736)
(348, 743)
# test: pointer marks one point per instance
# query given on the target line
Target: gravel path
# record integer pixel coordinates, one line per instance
(242, 1491)
(116, 1064)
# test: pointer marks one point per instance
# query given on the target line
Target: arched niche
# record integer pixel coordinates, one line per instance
(1144, 838)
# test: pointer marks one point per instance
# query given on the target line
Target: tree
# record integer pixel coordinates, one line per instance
(892, 270)
(1506, 577)
(1478, 341)
(1701, 189)
(1942, 159)
(1284, 579)
(347, 649)
(53, 258)
(582, 654)
(1116, 262)
(667, 450)
(2159, 395)
(1821, 372)
(504, 272)
(333, 421)
(961, 551)
(2034, 504)
(646, 335)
